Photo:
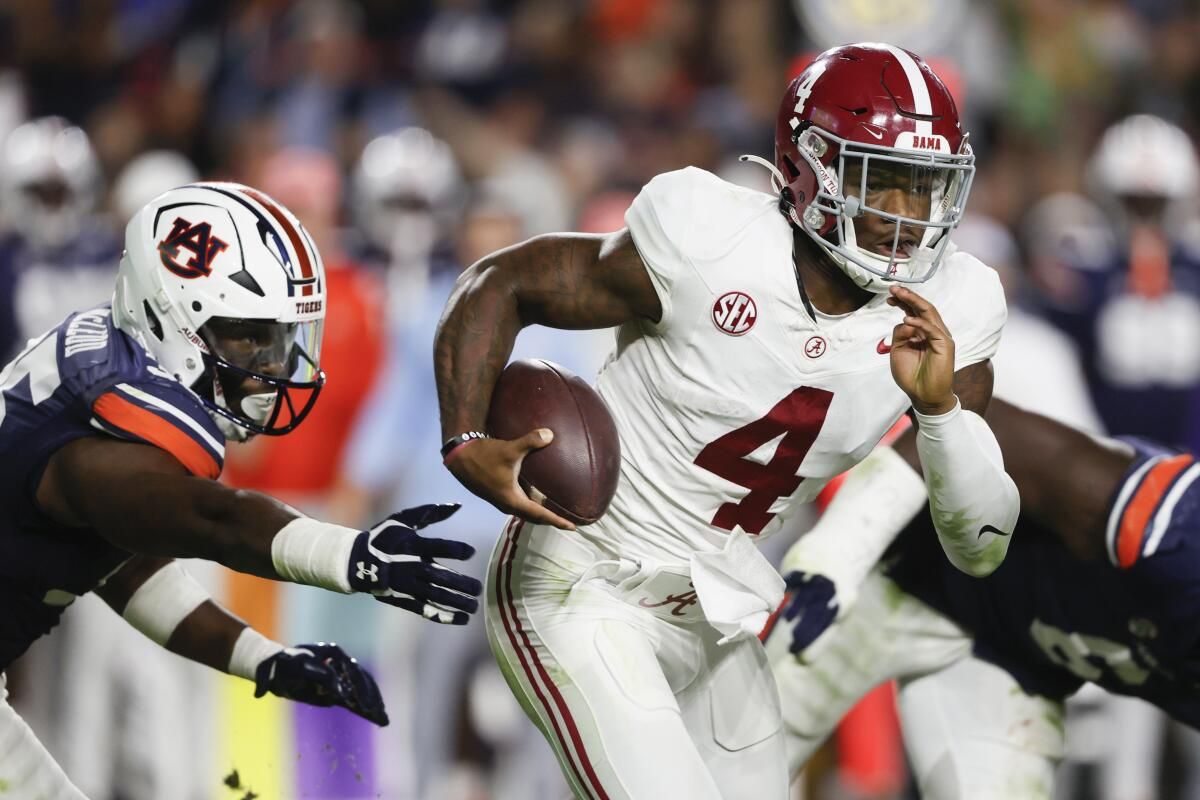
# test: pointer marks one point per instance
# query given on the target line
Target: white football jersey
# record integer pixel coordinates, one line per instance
(736, 406)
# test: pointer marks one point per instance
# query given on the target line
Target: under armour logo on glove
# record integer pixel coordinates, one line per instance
(396, 564)
(321, 675)
(811, 602)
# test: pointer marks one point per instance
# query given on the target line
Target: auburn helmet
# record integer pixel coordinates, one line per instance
(224, 287)
(861, 120)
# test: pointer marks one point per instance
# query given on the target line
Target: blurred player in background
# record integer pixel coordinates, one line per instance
(407, 190)
(632, 643)
(1099, 585)
(1122, 277)
(148, 175)
(56, 254)
(113, 430)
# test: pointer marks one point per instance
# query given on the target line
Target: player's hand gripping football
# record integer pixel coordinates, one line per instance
(396, 564)
(321, 675)
(490, 468)
(922, 355)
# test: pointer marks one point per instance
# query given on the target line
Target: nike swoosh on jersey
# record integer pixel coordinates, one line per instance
(883, 348)
(992, 529)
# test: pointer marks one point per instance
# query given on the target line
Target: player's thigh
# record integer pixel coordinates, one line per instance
(732, 712)
(886, 634)
(27, 770)
(584, 666)
(972, 733)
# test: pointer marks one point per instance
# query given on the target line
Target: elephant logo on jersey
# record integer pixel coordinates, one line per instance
(196, 239)
(734, 313)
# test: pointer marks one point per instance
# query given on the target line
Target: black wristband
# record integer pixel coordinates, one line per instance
(462, 438)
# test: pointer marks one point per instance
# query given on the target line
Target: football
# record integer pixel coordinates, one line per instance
(574, 476)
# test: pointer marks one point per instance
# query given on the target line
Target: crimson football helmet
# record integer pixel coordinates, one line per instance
(861, 122)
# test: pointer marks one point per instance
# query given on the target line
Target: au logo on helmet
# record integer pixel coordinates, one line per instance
(198, 240)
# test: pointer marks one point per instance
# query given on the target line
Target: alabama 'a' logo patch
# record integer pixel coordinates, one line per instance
(196, 239)
(734, 313)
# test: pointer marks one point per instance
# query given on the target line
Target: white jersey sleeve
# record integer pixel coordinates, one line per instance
(679, 221)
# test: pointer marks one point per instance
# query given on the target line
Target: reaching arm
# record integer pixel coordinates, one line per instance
(572, 281)
(1066, 477)
(973, 501)
(142, 500)
(158, 597)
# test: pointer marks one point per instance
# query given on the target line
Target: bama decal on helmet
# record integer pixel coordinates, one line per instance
(195, 238)
(914, 141)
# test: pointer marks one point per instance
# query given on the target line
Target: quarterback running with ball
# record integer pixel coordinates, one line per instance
(765, 344)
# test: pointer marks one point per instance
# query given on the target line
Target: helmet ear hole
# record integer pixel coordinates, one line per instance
(152, 320)
(790, 166)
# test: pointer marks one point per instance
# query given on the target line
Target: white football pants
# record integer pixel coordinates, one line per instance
(628, 683)
(27, 770)
(971, 732)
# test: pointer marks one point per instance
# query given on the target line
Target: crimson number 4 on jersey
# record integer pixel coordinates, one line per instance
(798, 418)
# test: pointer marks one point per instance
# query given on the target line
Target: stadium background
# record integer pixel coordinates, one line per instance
(553, 114)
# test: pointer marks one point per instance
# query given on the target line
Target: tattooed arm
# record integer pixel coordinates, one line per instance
(573, 281)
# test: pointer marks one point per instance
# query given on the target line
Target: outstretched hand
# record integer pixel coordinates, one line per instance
(490, 468)
(922, 356)
(321, 675)
(396, 564)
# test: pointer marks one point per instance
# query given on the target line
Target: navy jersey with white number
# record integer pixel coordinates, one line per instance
(1129, 622)
(83, 378)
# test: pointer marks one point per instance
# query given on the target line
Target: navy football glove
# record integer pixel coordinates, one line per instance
(811, 602)
(395, 563)
(321, 675)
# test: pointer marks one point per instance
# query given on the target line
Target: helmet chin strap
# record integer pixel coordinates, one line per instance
(777, 180)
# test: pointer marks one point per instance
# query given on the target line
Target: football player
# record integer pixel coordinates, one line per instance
(766, 343)
(1100, 584)
(57, 254)
(112, 434)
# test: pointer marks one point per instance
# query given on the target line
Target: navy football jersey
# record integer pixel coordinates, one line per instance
(1134, 340)
(1129, 622)
(83, 378)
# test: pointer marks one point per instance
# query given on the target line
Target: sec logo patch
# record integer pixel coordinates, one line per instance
(734, 313)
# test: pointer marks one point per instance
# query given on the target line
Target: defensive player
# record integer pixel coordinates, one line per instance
(765, 344)
(1100, 585)
(112, 432)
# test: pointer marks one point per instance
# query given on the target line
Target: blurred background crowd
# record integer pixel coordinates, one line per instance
(414, 137)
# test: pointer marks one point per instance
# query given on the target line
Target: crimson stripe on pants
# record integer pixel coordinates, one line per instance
(504, 586)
